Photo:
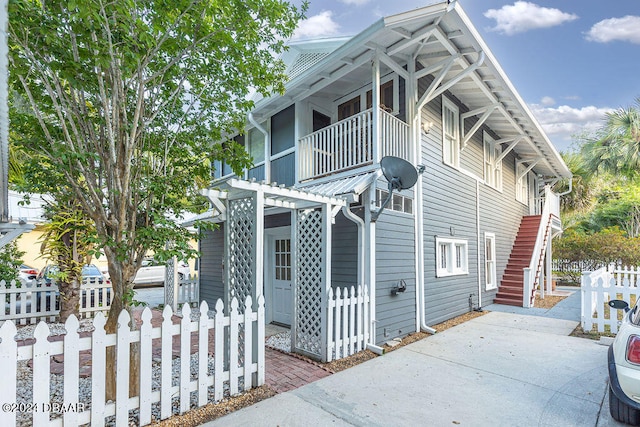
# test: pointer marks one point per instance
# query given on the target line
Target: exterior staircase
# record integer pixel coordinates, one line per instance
(511, 287)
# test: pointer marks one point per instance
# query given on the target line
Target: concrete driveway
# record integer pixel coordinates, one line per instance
(501, 369)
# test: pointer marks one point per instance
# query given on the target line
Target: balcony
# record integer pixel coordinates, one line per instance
(348, 144)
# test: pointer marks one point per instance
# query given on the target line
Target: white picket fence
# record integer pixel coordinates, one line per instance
(238, 364)
(28, 302)
(348, 321)
(602, 285)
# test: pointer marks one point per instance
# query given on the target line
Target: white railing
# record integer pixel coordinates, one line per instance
(348, 321)
(26, 302)
(163, 391)
(550, 198)
(348, 144)
(602, 285)
(189, 290)
(532, 273)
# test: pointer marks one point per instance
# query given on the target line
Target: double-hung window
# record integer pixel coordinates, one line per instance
(450, 133)
(522, 183)
(451, 257)
(492, 166)
(490, 261)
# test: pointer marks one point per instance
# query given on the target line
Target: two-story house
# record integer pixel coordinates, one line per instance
(300, 226)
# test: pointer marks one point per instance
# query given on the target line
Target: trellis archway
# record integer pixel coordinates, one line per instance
(242, 205)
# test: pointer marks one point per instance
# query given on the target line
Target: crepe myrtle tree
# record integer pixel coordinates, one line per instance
(125, 98)
(122, 101)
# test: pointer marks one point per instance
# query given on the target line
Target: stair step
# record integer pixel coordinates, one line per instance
(508, 301)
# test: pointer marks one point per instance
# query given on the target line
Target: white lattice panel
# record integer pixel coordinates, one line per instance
(241, 223)
(309, 281)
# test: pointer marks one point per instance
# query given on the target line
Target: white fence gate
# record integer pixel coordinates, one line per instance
(602, 285)
(348, 321)
(174, 386)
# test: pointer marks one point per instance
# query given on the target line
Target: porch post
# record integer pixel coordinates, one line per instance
(258, 277)
(294, 275)
(258, 288)
(370, 251)
(226, 258)
(375, 105)
(326, 278)
(549, 266)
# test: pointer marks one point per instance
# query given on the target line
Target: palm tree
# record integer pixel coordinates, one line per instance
(616, 146)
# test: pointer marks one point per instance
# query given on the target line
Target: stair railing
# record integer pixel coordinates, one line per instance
(531, 273)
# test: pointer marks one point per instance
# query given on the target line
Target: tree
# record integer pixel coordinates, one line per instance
(10, 261)
(68, 240)
(616, 146)
(124, 100)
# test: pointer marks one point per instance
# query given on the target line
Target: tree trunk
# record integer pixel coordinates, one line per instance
(120, 282)
(69, 299)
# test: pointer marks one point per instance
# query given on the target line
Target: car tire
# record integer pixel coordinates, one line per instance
(621, 412)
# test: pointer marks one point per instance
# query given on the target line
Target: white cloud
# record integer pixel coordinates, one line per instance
(547, 101)
(562, 122)
(320, 25)
(524, 16)
(354, 2)
(624, 29)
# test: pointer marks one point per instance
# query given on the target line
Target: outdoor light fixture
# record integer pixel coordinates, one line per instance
(426, 126)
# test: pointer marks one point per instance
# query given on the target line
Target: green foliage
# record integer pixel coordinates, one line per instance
(119, 103)
(10, 261)
(610, 245)
(68, 240)
(616, 146)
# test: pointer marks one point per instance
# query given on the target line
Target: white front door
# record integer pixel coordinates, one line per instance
(282, 294)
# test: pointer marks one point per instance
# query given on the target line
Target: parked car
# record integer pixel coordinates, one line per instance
(89, 271)
(47, 277)
(27, 273)
(153, 272)
(624, 366)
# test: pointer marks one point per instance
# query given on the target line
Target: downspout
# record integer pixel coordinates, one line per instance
(569, 190)
(346, 210)
(267, 145)
(478, 247)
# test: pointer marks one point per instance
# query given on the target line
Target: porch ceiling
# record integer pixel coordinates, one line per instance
(430, 35)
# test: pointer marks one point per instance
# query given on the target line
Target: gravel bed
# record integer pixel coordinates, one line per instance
(281, 341)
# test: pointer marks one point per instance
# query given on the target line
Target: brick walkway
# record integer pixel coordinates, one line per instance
(284, 371)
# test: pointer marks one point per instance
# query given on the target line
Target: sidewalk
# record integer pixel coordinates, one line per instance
(514, 366)
(567, 309)
(499, 369)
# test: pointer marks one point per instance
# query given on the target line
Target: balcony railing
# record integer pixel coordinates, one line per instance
(349, 144)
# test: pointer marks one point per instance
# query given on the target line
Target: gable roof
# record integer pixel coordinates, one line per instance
(438, 36)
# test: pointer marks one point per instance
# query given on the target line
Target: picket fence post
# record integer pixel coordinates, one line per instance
(146, 373)
(8, 351)
(71, 369)
(98, 370)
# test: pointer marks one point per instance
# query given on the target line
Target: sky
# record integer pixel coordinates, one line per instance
(571, 61)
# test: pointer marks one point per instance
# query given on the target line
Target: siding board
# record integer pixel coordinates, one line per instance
(395, 260)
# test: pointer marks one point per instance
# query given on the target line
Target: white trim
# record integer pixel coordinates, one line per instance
(522, 183)
(491, 283)
(492, 166)
(450, 148)
(452, 257)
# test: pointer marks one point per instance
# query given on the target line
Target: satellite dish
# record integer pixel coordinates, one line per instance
(400, 174)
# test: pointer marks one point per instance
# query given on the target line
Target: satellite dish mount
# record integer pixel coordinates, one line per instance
(400, 174)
